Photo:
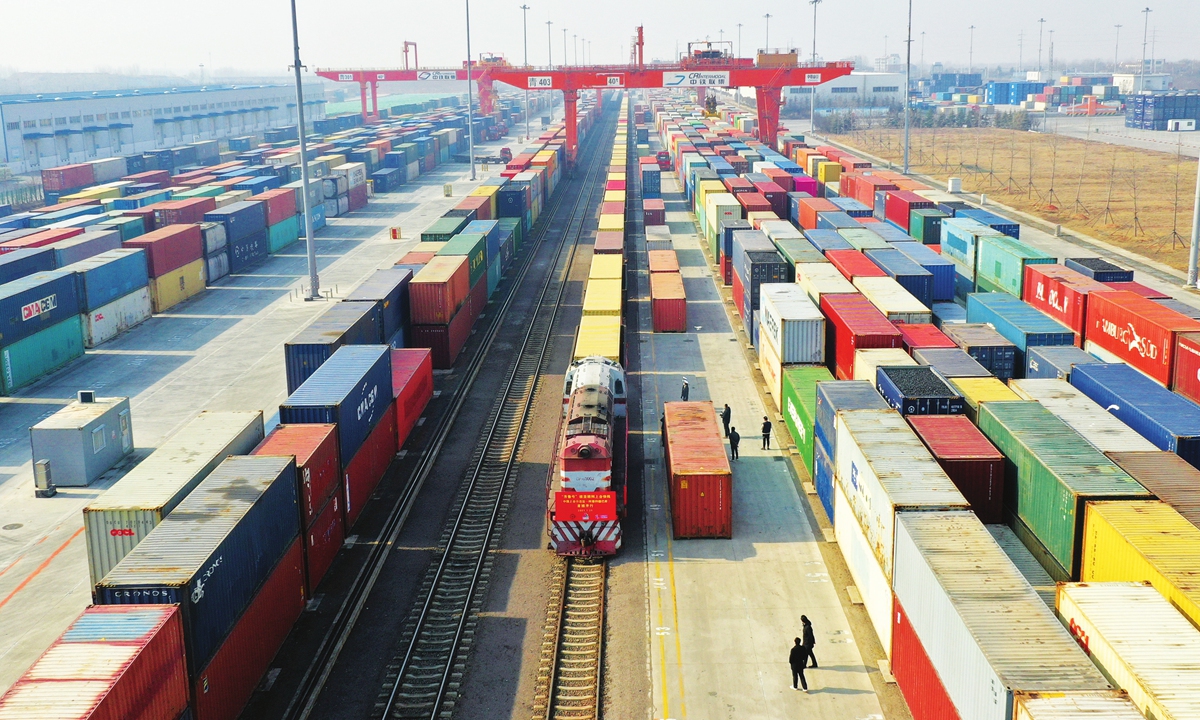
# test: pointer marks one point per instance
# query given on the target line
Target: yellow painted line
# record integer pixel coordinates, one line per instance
(675, 619)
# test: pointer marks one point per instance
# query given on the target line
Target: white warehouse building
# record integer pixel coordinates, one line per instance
(41, 131)
(863, 89)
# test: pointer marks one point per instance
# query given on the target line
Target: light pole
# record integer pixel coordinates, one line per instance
(768, 39)
(549, 45)
(1117, 50)
(575, 45)
(470, 96)
(922, 52)
(971, 52)
(812, 95)
(564, 47)
(908, 82)
(1145, 29)
(1041, 26)
(525, 25)
(314, 282)
(739, 26)
(1194, 251)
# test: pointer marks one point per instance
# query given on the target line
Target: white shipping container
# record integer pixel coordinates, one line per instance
(760, 165)
(772, 369)
(792, 323)
(343, 204)
(1139, 641)
(883, 467)
(986, 632)
(896, 303)
(1025, 562)
(413, 171)
(817, 279)
(355, 173)
(216, 267)
(1096, 425)
(1076, 706)
(116, 522)
(779, 229)
(108, 321)
(864, 568)
(109, 169)
(719, 207)
(868, 361)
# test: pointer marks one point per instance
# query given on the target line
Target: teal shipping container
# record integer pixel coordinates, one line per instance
(41, 353)
(1000, 264)
(283, 233)
(494, 273)
(960, 239)
(130, 227)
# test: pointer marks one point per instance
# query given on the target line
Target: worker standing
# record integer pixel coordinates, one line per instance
(683, 394)
(726, 416)
(662, 429)
(797, 658)
(734, 439)
(766, 432)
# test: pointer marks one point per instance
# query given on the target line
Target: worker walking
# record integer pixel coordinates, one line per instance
(798, 658)
(734, 438)
(726, 416)
(683, 394)
(766, 430)
(809, 641)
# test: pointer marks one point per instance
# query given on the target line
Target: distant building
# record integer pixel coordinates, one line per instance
(858, 89)
(1132, 83)
(57, 129)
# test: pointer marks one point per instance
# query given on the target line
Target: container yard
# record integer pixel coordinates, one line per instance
(578, 390)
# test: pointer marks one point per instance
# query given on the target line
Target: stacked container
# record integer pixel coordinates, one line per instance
(113, 293)
(40, 326)
(245, 232)
(440, 308)
(175, 263)
(283, 224)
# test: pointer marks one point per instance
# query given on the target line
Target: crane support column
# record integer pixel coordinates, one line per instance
(701, 94)
(487, 93)
(569, 98)
(599, 100)
(362, 88)
(375, 99)
(768, 114)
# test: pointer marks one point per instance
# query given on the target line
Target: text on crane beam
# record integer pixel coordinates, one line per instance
(695, 79)
(540, 82)
(434, 75)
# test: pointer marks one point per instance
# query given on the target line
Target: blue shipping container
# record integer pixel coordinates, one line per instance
(837, 221)
(258, 184)
(893, 381)
(240, 219)
(352, 388)
(1099, 269)
(995, 222)
(108, 276)
(823, 474)
(838, 395)
(891, 232)
(1055, 362)
(490, 230)
(851, 207)
(359, 323)
(826, 240)
(247, 250)
(939, 267)
(82, 247)
(910, 275)
(1019, 322)
(36, 302)
(24, 262)
(388, 288)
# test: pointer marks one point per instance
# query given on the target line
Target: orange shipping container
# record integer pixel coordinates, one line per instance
(663, 261)
(809, 207)
(699, 473)
(438, 290)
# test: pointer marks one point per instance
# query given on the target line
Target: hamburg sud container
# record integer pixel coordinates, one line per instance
(792, 324)
(1125, 327)
(918, 391)
(212, 556)
(953, 654)
(974, 465)
(854, 323)
(1019, 322)
(1186, 373)
(881, 468)
(1140, 641)
(1061, 293)
(387, 288)
(439, 290)
(346, 323)
(1169, 420)
(111, 662)
(668, 303)
(897, 304)
(1056, 363)
(412, 388)
(1052, 474)
(989, 348)
(1103, 431)
(700, 477)
(798, 397)
(123, 515)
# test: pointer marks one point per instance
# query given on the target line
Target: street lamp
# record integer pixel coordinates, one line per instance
(908, 81)
(314, 282)
(1041, 26)
(1145, 29)
(575, 44)
(470, 96)
(971, 52)
(549, 45)
(739, 26)
(525, 26)
(1117, 50)
(812, 97)
(768, 40)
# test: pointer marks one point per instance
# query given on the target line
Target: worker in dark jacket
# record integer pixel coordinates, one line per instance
(797, 658)
(662, 429)
(684, 391)
(726, 416)
(734, 439)
(766, 429)
(809, 641)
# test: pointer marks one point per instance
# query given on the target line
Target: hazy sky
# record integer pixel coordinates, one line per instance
(255, 35)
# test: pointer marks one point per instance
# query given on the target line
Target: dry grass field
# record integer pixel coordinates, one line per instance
(1136, 199)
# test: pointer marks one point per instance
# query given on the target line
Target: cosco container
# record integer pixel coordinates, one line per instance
(798, 397)
(1136, 330)
(318, 465)
(988, 347)
(854, 323)
(897, 304)
(351, 389)
(109, 276)
(346, 323)
(1055, 362)
(792, 324)
(1103, 431)
(950, 362)
(211, 555)
(917, 391)
(700, 477)
(1018, 322)
(974, 465)
(981, 659)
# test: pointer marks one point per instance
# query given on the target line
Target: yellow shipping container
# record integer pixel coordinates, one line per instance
(614, 223)
(167, 291)
(94, 193)
(980, 390)
(1144, 540)
(812, 162)
(828, 172)
(333, 160)
(607, 267)
(618, 176)
(599, 335)
(614, 196)
(484, 191)
(602, 297)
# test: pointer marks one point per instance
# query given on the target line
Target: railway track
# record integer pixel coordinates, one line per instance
(569, 678)
(424, 678)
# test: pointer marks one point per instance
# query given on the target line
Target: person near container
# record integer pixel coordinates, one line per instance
(810, 641)
(734, 438)
(662, 429)
(766, 431)
(726, 416)
(683, 394)
(797, 659)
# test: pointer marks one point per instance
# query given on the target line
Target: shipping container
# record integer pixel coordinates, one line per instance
(446, 341)
(362, 474)
(1075, 706)
(923, 335)
(436, 293)
(87, 245)
(1099, 269)
(167, 291)
(1103, 431)
(389, 289)
(241, 219)
(940, 269)
(318, 467)
(950, 362)
(1137, 330)
(108, 321)
(1055, 362)
(974, 465)
(1018, 322)
(798, 397)
(42, 353)
(988, 347)
(862, 562)
(604, 297)
(853, 263)
(109, 276)
(668, 303)
(699, 473)
(792, 324)
(868, 361)
(853, 324)
(917, 391)
(169, 248)
(36, 302)
(412, 388)
(915, 675)
(1001, 261)
(897, 304)
(1061, 293)
(21, 263)
(818, 279)
(1166, 476)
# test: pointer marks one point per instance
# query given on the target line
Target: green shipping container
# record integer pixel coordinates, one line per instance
(494, 273)
(925, 225)
(130, 227)
(799, 411)
(1000, 263)
(863, 239)
(27, 360)
(283, 233)
(798, 250)
(515, 225)
(443, 229)
(474, 247)
(409, 150)
(1050, 475)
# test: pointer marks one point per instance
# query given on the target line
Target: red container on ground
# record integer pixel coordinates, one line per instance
(1186, 375)
(974, 465)
(809, 207)
(281, 204)
(1138, 288)
(654, 211)
(775, 195)
(369, 464)
(754, 202)
(1061, 293)
(162, 177)
(737, 185)
(923, 691)
(412, 388)
(439, 289)
(1137, 330)
(854, 324)
(169, 248)
(660, 261)
(445, 341)
(668, 303)
(40, 239)
(922, 335)
(67, 177)
(318, 463)
(699, 472)
(612, 208)
(865, 187)
(900, 203)
(852, 264)
(739, 294)
(221, 689)
(182, 212)
(358, 199)
(322, 541)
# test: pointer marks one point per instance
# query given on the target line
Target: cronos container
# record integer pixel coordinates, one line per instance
(700, 477)
(318, 468)
(1055, 363)
(1092, 422)
(792, 324)
(854, 323)
(1052, 473)
(1137, 330)
(984, 658)
(123, 515)
(353, 390)
(1169, 420)
(798, 397)
(211, 557)
(122, 662)
(668, 303)
(889, 296)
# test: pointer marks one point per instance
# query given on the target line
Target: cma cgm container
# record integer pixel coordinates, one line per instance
(123, 515)
(352, 389)
(1136, 330)
(123, 662)
(974, 465)
(318, 466)
(951, 647)
(36, 302)
(854, 323)
(699, 474)
(799, 406)
(346, 323)
(792, 324)
(211, 556)
(1103, 431)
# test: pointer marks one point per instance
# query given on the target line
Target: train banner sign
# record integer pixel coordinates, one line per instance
(695, 79)
(585, 506)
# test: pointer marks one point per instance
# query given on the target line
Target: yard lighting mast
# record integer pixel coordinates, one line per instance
(314, 281)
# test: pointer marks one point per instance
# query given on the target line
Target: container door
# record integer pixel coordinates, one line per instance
(126, 431)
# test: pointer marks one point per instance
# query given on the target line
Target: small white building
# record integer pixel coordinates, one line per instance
(858, 89)
(1133, 83)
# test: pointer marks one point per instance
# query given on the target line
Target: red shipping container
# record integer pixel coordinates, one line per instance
(318, 463)
(162, 177)
(936, 248)
(668, 302)
(850, 163)
(71, 680)
(187, 177)
(195, 181)
(481, 205)
(660, 261)
(922, 335)
(865, 187)
(1061, 293)
(478, 298)
(412, 388)
(369, 464)
(358, 200)
(900, 203)
(754, 202)
(169, 248)
(65, 206)
(40, 239)
(67, 177)
(416, 258)
(1137, 330)
(445, 341)
(782, 178)
(1186, 376)
(614, 185)
(738, 185)
(612, 208)
(699, 473)
(439, 289)
(1138, 288)
(854, 324)
(609, 243)
(182, 212)
(868, 220)
(739, 294)
(221, 689)
(809, 207)
(923, 691)
(775, 195)
(149, 224)
(655, 211)
(726, 270)
(229, 183)
(322, 541)
(974, 465)
(281, 204)
(853, 263)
